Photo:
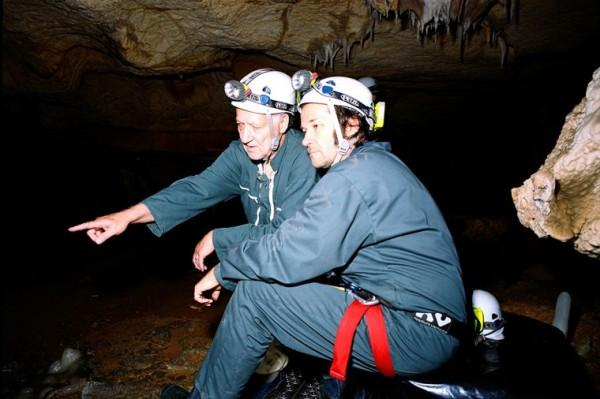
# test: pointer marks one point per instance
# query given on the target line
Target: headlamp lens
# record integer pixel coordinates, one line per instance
(379, 115)
(478, 319)
(235, 90)
(301, 80)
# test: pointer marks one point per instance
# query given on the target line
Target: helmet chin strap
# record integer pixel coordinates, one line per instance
(343, 144)
(275, 141)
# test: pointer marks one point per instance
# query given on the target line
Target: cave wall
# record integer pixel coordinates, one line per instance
(562, 199)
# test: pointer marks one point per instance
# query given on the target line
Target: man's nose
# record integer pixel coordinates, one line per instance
(246, 135)
(306, 140)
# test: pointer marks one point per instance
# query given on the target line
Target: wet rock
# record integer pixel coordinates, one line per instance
(187, 359)
(26, 393)
(69, 362)
(104, 390)
(141, 361)
(583, 346)
(74, 388)
(160, 336)
(10, 367)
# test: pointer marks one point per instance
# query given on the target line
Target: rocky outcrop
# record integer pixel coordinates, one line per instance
(62, 40)
(161, 61)
(178, 37)
(562, 199)
(158, 67)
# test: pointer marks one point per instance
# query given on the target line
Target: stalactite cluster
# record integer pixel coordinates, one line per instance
(459, 18)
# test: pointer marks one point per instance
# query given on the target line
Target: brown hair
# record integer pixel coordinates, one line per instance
(344, 115)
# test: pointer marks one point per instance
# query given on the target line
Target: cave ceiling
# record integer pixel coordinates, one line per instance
(395, 39)
(151, 65)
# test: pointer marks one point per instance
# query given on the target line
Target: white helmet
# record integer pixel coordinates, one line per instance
(488, 316)
(368, 81)
(343, 91)
(264, 91)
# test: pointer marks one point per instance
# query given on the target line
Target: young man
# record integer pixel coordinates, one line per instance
(267, 168)
(371, 224)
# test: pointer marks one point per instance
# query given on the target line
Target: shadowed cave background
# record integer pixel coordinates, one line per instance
(117, 135)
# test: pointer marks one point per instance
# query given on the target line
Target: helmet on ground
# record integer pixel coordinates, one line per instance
(489, 322)
(345, 92)
(264, 91)
(368, 81)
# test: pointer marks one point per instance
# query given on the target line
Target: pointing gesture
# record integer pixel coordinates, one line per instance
(104, 227)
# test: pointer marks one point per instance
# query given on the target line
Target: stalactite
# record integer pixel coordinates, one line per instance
(460, 34)
(514, 10)
(507, 7)
(347, 49)
(370, 34)
(436, 13)
(462, 18)
(333, 51)
(328, 52)
(493, 36)
(503, 50)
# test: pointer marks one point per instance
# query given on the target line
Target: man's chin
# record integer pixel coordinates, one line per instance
(318, 163)
(254, 156)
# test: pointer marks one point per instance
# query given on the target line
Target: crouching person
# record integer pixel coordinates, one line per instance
(372, 227)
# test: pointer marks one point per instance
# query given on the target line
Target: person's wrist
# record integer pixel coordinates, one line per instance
(137, 214)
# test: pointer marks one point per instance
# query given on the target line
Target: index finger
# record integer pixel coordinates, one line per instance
(87, 225)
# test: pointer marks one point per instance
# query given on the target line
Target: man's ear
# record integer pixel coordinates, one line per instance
(284, 122)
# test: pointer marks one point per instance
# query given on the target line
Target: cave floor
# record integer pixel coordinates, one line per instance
(150, 332)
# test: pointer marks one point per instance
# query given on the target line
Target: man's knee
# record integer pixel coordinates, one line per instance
(249, 290)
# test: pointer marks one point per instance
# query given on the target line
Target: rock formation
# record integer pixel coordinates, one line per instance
(562, 199)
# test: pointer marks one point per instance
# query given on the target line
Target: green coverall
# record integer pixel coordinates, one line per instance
(370, 219)
(266, 202)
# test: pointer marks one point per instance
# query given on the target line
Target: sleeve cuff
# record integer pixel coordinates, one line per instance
(154, 227)
(227, 284)
(218, 243)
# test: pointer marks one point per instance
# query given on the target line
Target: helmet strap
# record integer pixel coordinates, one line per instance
(275, 143)
(343, 144)
(275, 140)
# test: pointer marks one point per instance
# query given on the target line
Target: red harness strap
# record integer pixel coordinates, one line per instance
(342, 347)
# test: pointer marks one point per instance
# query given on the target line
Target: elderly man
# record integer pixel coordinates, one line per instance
(267, 168)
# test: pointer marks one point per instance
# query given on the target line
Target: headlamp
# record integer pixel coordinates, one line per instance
(235, 90)
(238, 91)
(379, 115)
(481, 324)
(303, 79)
(478, 313)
